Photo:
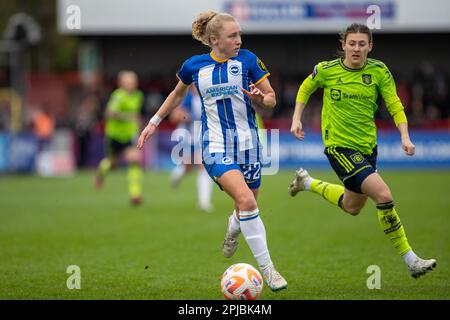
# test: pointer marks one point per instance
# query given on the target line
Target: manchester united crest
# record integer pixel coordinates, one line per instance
(357, 158)
(367, 78)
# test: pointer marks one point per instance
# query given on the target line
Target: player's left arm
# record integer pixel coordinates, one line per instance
(172, 101)
(395, 107)
(262, 94)
(180, 115)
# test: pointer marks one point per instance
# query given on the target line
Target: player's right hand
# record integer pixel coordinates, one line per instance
(296, 130)
(148, 131)
(408, 146)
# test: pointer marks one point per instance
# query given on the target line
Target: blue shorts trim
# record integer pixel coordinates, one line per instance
(251, 172)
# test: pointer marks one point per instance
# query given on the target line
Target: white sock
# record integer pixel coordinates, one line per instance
(409, 257)
(308, 183)
(254, 232)
(178, 172)
(204, 189)
(234, 227)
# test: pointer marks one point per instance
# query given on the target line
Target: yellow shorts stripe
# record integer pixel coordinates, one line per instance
(336, 156)
(343, 161)
(344, 158)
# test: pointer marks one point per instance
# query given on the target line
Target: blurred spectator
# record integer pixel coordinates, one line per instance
(86, 118)
(403, 91)
(416, 104)
(441, 94)
(43, 126)
(4, 115)
(429, 91)
(288, 96)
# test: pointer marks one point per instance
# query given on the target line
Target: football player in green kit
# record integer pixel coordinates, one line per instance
(122, 126)
(351, 85)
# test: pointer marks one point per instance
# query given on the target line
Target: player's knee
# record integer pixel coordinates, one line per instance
(354, 211)
(351, 207)
(133, 157)
(384, 195)
(246, 201)
(114, 163)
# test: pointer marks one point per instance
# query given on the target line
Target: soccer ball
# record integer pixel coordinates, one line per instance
(241, 281)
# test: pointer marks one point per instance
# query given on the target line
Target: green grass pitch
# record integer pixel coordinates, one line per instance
(168, 249)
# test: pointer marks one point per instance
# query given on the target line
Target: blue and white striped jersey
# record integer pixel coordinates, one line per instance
(229, 127)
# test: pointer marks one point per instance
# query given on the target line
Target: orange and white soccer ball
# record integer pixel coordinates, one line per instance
(241, 281)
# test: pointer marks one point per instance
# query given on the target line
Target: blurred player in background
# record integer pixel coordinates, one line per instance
(43, 127)
(228, 80)
(188, 116)
(122, 126)
(351, 86)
